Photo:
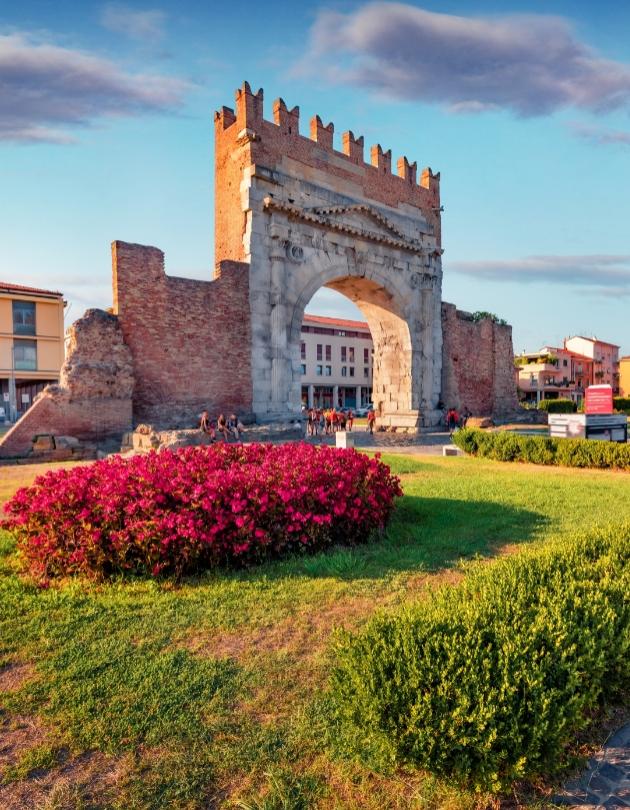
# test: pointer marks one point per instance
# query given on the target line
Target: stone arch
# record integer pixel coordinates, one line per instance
(387, 311)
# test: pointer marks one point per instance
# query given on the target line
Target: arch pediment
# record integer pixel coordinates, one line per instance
(359, 220)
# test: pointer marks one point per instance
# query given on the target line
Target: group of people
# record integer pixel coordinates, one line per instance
(328, 421)
(454, 419)
(227, 428)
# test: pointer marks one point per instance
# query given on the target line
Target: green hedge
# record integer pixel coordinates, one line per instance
(507, 446)
(621, 403)
(488, 681)
(557, 405)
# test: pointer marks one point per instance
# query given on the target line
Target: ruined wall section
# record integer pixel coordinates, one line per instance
(477, 364)
(93, 398)
(190, 340)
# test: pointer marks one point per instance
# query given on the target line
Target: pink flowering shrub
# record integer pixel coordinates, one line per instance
(198, 507)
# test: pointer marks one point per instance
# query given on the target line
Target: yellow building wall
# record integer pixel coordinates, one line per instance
(48, 356)
(6, 316)
(624, 377)
(47, 320)
(5, 354)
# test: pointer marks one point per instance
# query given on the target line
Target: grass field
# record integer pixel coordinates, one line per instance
(212, 694)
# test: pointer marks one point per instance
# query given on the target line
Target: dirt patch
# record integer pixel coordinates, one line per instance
(91, 779)
(17, 735)
(14, 676)
(303, 634)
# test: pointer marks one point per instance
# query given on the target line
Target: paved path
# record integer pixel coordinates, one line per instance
(427, 442)
(606, 782)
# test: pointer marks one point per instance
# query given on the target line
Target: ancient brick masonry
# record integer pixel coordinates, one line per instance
(477, 364)
(190, 340)
(93, 398)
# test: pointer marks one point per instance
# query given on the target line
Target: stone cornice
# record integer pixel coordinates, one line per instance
(324, 216)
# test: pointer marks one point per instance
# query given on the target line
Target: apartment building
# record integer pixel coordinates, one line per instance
(624, 376)
(336, 357)
(31, 345)
(604, 356)
(553, 373)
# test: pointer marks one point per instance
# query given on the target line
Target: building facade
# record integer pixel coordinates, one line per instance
(604, 356)
(31, 345)
(336, 362)
(624, 376)
(553, 373)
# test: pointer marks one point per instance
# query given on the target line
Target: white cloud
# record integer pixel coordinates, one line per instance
(530, 64)
(599, 274)
(147, 26)
(47, 88)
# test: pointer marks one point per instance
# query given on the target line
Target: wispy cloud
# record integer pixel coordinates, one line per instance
(47, 89)
(603, 274)
(598, 135)
(528, 64)
(147, 26)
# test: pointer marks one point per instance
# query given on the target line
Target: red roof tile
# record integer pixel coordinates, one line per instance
(339, 322)
(6, 286)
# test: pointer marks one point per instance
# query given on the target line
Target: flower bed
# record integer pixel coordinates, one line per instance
(199, 507)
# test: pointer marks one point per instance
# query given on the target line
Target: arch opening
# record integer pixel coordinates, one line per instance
(378, 340)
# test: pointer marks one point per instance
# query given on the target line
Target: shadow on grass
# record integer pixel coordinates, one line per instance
(424, 534)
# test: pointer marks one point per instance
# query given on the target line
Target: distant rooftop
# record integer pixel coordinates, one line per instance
(594, 339)
(341, 323)
(6, 286)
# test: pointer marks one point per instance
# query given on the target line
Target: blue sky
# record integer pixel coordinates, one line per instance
(106, 133)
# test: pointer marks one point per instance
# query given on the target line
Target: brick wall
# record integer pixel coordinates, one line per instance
(477, 364)
(190, 340)
(93, 398)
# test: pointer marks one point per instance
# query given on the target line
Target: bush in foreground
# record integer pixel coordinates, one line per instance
(488, 681)
(199, 507)
(557, 406)
(507, 446)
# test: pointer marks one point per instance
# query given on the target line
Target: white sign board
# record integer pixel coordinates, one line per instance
(1, 412)
(26, 398)
(5, 396)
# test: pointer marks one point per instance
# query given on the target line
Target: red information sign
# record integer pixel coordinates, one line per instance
(599, 399)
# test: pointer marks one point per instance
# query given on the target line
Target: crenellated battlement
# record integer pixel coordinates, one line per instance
(248, 119)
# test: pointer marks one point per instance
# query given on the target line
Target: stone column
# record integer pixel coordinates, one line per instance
(280, 377)
(335, 401)
(358, 405)
(311, 396)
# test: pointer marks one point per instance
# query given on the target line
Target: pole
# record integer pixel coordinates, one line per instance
(12, 388)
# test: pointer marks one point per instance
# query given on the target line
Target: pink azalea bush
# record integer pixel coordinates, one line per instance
(198, 507)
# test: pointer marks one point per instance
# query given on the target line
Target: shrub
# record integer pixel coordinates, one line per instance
(621, 404)
(557, 405)
(199, 507)
(489, 680)
(508, 446)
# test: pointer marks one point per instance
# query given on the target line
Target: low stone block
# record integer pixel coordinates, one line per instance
(66, 442)
(452, 450)
(43, 443)
(344, 440)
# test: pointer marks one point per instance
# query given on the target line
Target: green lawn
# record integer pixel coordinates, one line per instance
(150, 695)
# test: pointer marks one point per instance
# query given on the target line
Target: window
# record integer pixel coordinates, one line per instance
(565, 363)
(366, 356)
(352, 371)
(318, 371)
(343, 354)
(351, 353)
(329, 371)
(303, 368)
(319, 351)
(303, 350)
(366, 372)
(328, 353)
(341, 333)
(25, 355)
(344, 371)
(24, 318)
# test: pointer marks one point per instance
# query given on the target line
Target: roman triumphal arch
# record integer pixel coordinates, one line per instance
(292, 214)
(302, 215)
